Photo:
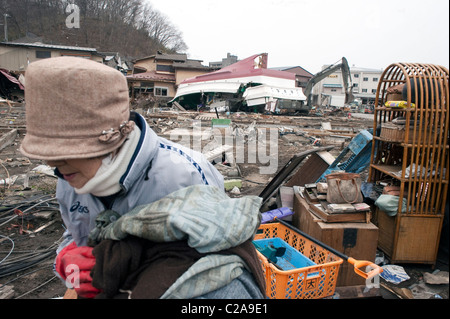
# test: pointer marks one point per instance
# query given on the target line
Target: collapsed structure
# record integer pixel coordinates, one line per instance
(247, 85)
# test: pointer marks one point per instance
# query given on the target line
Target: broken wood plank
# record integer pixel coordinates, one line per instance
(6, 292)
(44, 226)
(359, 291)
(402, 293)
(218, 152)
(7, 139)
(40, 228)
(178, 106)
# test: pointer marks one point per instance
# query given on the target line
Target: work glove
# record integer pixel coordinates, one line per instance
(74, 265)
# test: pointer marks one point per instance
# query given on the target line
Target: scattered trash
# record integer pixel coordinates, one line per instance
(402, 293)
(235, 190)
(299, 135)
(436, 278)
(394, 274)
(276, 213)
(44, 169)
(423, 291)
(8, 181)
(417, 171)
(380, 259)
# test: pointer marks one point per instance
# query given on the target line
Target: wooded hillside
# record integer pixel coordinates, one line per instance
(132, 27)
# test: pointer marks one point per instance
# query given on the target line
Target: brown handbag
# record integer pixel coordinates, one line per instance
(344, 188)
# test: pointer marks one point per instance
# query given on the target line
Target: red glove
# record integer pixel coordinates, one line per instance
(74, 264)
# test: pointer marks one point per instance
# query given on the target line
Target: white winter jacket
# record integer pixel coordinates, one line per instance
(157, 168)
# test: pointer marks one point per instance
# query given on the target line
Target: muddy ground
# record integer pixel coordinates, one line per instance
(31, 228)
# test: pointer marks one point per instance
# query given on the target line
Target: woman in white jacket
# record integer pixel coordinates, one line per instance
(107, 158)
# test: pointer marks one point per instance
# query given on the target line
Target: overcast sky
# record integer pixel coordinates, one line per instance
(312, 33)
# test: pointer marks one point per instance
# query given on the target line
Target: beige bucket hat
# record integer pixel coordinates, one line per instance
(75, 108)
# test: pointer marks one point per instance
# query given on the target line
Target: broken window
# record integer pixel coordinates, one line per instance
(160, 91)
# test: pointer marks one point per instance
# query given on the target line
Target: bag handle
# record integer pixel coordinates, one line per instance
(343, 176)
(338, 181)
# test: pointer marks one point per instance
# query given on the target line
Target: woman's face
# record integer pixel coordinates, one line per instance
(77, 171)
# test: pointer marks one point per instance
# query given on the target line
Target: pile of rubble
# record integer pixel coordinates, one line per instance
(249, 149)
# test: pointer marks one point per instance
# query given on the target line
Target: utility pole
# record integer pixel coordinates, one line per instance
(6, 26)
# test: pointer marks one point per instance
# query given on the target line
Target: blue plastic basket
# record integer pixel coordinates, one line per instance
(291, 259)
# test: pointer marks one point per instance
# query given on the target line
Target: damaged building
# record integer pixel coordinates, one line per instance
(247, 85)
(11, 86)
(157, 76)
(15, 56)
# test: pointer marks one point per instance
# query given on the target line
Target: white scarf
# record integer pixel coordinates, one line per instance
(106, 180)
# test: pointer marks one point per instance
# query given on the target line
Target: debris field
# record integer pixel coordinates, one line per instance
(30, 225)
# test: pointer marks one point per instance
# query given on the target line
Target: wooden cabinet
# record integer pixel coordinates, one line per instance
(410, 150)
(357, 240)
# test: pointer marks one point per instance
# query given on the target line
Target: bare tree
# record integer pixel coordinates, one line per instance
(132, 27)
(159, 27)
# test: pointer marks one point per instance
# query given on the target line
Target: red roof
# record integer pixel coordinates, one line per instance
(255, 65)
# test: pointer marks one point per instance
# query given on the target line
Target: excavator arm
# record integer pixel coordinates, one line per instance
(346, 76)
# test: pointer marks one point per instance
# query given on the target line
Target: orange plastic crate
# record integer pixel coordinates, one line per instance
(312, 282)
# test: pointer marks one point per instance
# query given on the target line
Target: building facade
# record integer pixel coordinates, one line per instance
(229, 60)
(364, 87)
(158, 75)
(365, 83)
(16, 56)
